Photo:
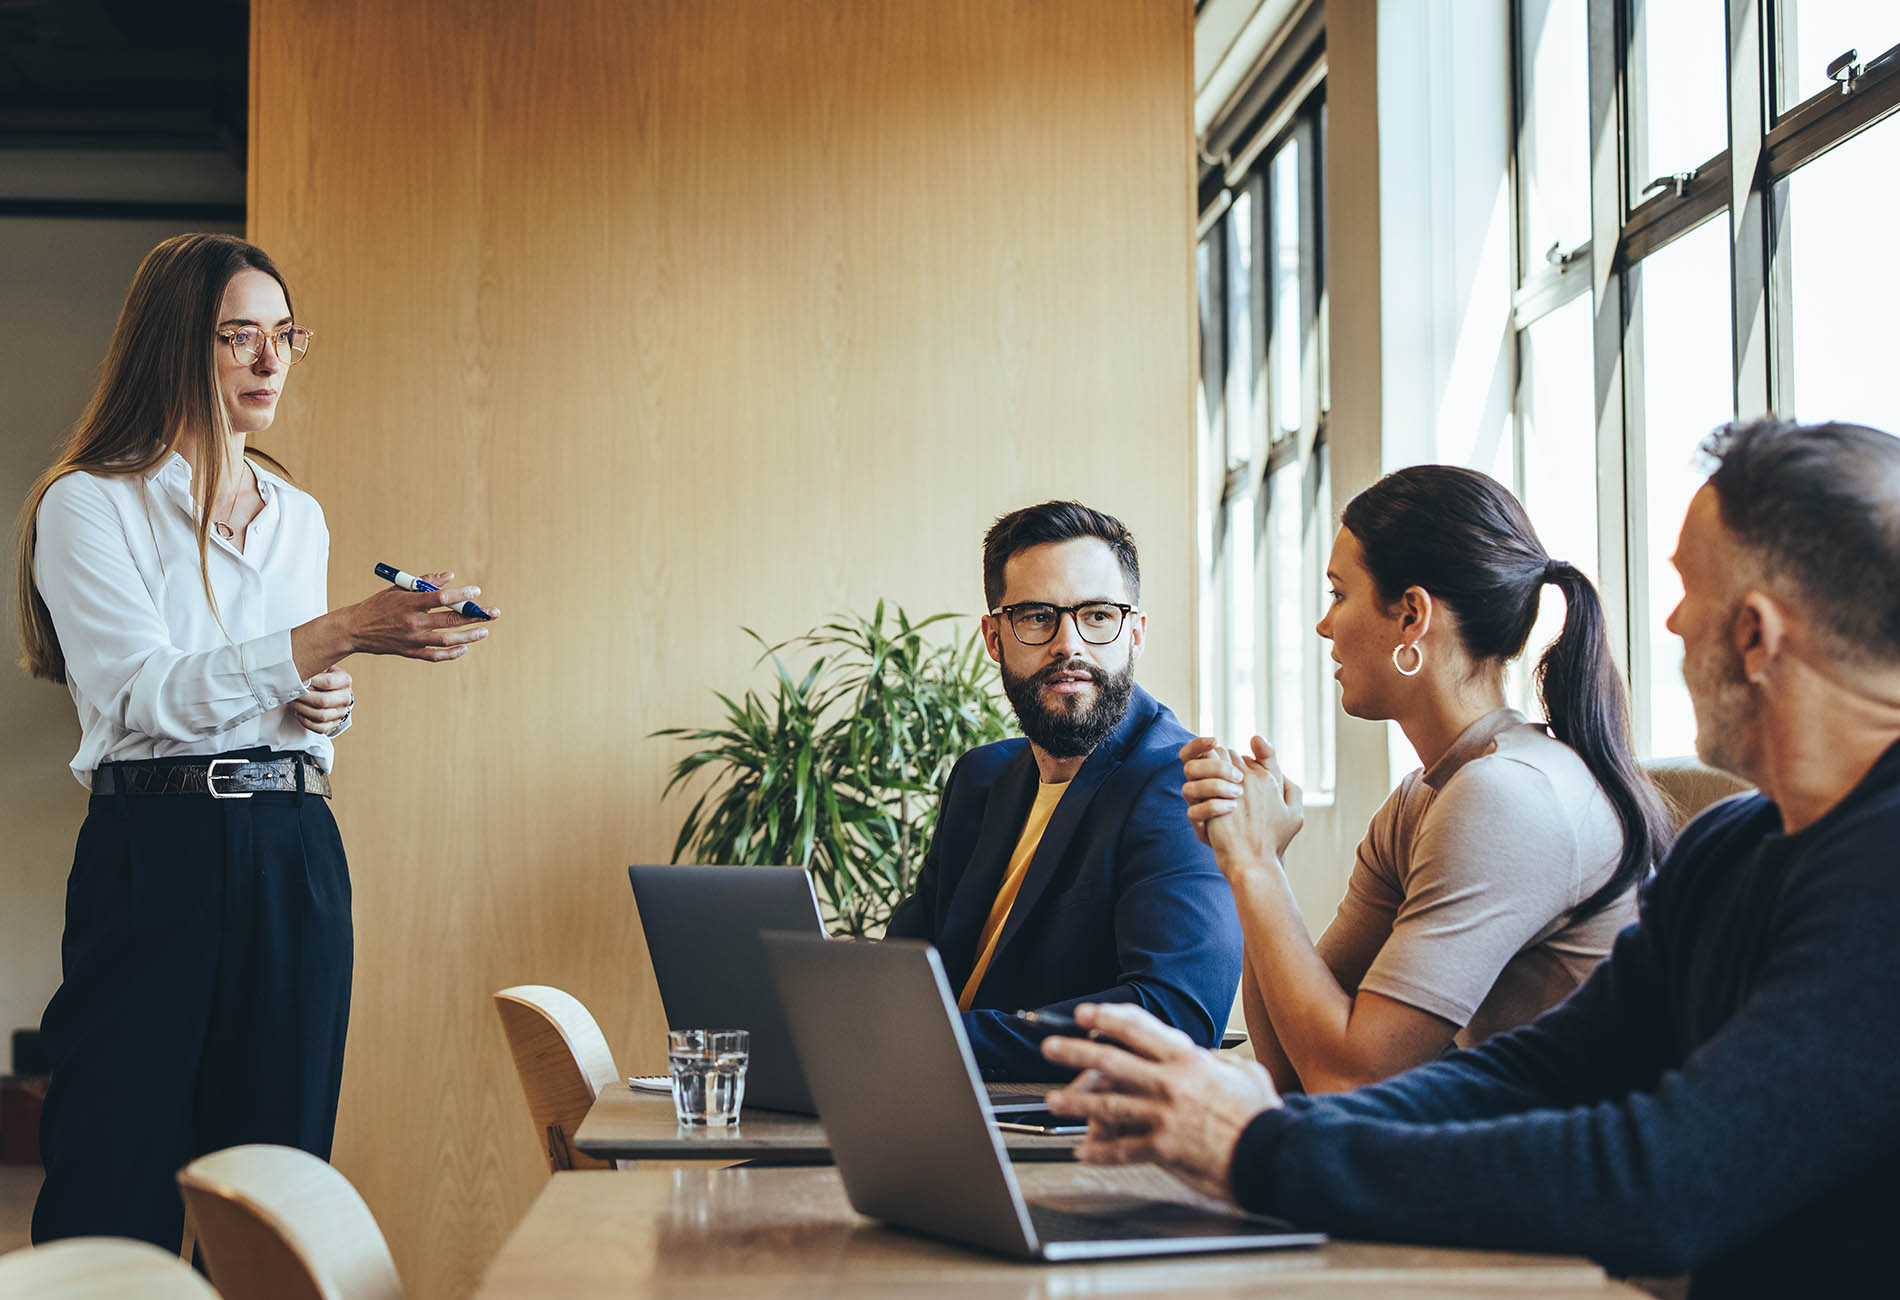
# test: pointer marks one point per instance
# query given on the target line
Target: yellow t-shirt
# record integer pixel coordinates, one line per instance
(1048, 795)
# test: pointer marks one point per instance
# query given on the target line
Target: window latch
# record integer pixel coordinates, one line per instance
(1557, 257)
(1677, 183)
(1845, 71)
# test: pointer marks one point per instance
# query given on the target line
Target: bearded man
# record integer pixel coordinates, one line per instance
(1064, 868)
(1720, 1096)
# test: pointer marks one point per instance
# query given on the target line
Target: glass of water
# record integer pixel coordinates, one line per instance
(708, 1069)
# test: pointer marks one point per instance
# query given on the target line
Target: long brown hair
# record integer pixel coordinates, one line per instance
(158, 390)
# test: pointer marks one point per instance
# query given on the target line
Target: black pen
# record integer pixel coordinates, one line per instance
(1054, 1022)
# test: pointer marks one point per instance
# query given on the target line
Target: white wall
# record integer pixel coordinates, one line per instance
(61, 283)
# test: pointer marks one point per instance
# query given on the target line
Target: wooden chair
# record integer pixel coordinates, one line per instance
(100, 1268)
(276, 1223)
(563, 1061)
(1689, 785)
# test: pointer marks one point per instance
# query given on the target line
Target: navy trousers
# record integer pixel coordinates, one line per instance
(205, 996)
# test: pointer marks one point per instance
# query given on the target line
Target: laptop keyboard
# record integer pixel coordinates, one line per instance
(1058, 1225)
(1017, 1091)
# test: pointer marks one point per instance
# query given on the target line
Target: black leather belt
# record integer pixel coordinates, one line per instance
(221, 778)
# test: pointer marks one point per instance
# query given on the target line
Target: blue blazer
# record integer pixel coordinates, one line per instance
(1120, 904)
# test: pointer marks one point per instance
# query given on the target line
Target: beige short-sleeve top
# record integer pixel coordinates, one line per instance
(1460, 893)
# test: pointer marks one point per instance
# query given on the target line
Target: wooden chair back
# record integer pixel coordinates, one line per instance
(1688, 785)
(100, 1268)
(563, 1061)
(276, 1223)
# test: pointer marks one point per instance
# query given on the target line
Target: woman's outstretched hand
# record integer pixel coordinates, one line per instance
(414, 624)
(417, 624)
(1242, 806)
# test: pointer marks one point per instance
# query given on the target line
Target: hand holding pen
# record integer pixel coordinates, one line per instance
(420, 617)
(410, 582)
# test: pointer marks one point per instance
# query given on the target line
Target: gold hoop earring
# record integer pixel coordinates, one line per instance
(1417, 667)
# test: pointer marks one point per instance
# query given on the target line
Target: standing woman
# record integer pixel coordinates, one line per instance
(177, 587)
(1495, 877)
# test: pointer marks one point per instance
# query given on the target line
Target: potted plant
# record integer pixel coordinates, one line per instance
(840, 770)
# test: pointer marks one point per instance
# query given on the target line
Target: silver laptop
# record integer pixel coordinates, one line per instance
(903, 1107)
(702, 926)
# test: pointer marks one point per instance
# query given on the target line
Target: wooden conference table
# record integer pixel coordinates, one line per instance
(626, 1125)
(791, 1233)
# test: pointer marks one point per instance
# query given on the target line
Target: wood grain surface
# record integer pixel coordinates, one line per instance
(628, 1125)
(792, 1233)
(658, 318)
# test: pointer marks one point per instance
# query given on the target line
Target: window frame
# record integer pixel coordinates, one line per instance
(1285, 102)
(1628, 225)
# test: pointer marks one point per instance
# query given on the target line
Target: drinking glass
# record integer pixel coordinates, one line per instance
(708, 1069)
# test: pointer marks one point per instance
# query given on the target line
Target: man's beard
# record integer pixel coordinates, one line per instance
(1070, 732)
(1724, 704)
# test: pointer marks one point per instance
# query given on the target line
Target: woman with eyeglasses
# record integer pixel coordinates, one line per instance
(174, 580)
(1497, 874)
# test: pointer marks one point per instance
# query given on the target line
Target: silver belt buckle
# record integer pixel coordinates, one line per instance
(211, 778)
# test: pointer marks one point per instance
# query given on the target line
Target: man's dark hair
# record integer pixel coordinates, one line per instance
(1055, 521)
(1818, 507)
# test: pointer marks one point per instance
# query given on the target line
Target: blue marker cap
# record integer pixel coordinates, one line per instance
(410, 582)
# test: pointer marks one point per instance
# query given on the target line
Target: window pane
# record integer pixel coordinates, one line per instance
(1840, 219)
(1321, 774)
(1211, 463)
(1323, 360)
(1243, 660)
(1678, 78)
(1300, 686)
(1289, 632)
(1208, 281)
(1554, 153)
(1242, 375)
(1688, 389)
(1557, 407)
(1288, 309)
(1814, 33)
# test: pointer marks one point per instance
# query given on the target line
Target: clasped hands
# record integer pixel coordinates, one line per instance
(1153, 1096)
(1242, 805)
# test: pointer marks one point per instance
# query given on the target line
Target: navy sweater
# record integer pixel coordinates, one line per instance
(1722, 1096)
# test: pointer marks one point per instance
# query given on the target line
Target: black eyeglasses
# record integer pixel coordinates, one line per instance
(1098, 622)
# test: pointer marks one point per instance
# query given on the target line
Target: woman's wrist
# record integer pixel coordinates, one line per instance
(1240, 862)
(1255, 874)
(321, 643)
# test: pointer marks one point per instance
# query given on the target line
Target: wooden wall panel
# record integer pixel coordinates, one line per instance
(656, 319)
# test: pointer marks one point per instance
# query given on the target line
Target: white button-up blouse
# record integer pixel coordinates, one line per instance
(153, 671)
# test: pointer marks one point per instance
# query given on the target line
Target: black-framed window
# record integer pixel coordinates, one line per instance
(1702, 190)
(1264, 510)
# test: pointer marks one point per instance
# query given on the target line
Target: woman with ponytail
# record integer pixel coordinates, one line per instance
(1495, 876)
(176, 586)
